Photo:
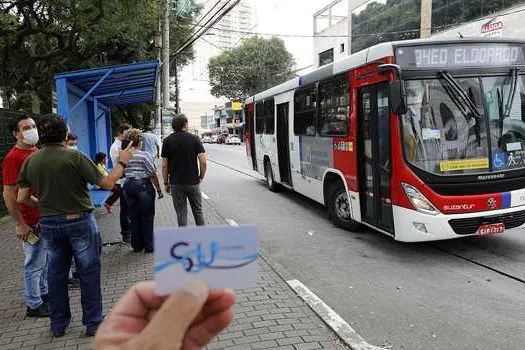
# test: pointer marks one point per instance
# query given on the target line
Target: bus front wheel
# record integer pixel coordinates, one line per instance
(339, 208)
(270, 181)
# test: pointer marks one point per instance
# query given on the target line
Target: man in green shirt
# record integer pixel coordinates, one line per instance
(59, 176)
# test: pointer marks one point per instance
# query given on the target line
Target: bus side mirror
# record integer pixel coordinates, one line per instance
(397, 97)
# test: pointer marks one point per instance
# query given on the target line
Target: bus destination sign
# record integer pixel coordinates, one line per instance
(455, 56)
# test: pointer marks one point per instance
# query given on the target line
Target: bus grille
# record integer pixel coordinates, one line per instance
(470, 225)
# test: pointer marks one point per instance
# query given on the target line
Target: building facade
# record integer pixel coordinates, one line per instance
(370, 22)
(195, 89)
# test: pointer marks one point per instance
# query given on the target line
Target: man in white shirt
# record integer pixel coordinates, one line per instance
(116, 147)
(150, 143)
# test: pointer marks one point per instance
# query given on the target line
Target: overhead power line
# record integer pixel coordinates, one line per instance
(201, 19)
(206, 27)
(360, 34)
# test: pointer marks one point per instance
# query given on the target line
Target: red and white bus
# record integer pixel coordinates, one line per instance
(421, 140)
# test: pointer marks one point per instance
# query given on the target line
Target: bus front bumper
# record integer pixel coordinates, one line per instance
(413, 226)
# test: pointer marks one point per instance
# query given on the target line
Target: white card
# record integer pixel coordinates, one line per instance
(220, 256)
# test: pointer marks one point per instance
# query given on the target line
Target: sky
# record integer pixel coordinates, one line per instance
(290, 17)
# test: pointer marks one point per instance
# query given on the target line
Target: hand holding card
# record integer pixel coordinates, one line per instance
(220, 256)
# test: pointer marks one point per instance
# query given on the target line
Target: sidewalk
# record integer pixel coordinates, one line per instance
(268, 316)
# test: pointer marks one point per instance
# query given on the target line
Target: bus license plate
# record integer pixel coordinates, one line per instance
(491, 229)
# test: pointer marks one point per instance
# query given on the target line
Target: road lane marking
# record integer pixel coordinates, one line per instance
(204, 195)
(331, 318)
(231, 222)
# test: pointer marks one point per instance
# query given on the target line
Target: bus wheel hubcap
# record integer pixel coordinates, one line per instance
(342, 206)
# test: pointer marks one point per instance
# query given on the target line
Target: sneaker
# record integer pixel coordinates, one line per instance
(45, 298)
(73, 283)
(41, 311)
(91, 331)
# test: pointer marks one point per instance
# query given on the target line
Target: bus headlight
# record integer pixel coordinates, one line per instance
(419, 202)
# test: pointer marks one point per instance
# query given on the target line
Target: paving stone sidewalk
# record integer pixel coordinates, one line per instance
(268, 316)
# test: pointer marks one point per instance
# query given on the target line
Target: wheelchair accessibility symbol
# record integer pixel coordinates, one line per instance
(498, 161)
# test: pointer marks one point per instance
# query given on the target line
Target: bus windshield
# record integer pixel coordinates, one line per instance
(465, 125)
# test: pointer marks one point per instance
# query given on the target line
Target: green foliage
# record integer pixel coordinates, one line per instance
(393, 20)
(378, 22)
(39, 38)
(255, 65)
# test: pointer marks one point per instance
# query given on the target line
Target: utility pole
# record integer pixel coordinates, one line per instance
(426, 18)
(158, 87)
(177, 91)
(165, 55)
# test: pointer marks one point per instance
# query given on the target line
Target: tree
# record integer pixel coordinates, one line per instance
(39, 38)
(255, 65)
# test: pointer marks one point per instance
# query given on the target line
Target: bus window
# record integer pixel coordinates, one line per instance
(259, 118)
(270, 116)
(333, 107)
(305, 103)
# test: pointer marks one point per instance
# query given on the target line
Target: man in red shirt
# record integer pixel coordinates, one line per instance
(26, 217)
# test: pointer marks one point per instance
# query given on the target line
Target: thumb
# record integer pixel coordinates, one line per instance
(169, 324)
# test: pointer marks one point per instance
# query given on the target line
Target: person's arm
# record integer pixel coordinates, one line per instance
(165, 176)
(11, 176)
(156, 183)
(202, 165)
(108, 182)
(201, 155)
(10, 200)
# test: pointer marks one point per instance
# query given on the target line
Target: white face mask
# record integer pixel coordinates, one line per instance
(73, 147)
(30, 137)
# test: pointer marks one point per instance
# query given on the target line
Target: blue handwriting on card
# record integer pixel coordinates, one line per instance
(195, 258)
(220, 256)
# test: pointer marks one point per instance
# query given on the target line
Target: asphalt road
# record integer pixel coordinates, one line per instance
(458, 294)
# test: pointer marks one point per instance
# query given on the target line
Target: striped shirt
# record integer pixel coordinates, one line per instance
(140, 166)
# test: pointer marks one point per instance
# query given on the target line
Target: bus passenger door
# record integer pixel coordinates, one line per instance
(375, 164)
(283, 152)
(250, 139)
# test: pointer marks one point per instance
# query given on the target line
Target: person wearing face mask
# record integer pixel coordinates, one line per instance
(60, 177)
(26, 218)
(72, 141)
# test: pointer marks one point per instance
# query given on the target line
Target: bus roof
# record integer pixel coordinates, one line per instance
(361, 58)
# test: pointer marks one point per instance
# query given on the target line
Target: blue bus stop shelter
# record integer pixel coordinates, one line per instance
(85, 99)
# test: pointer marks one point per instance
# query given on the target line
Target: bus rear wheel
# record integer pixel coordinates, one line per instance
(270, 181)
(339, 208)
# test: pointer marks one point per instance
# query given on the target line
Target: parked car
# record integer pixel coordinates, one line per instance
(233, 140)
(222, 138)
(206, 139)
(214, 139)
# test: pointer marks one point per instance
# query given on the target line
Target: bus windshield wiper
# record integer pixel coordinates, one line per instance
(505, 112)
(462, 101)
(459, 96)
(512, 92)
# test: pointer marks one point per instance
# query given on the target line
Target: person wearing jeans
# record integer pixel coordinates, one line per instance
(36, 289)
(182, 175)
(60, 176)
(141, 175)
(26, 217)
(77, 236)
